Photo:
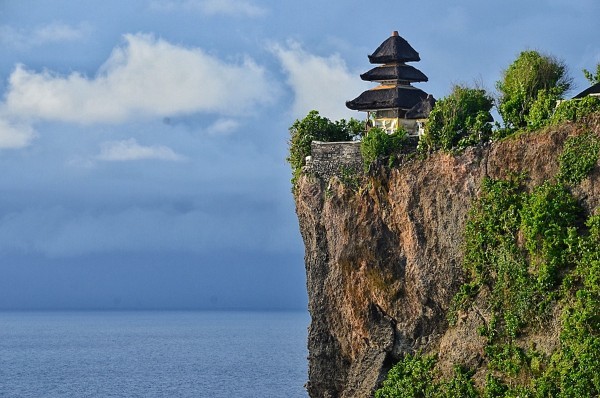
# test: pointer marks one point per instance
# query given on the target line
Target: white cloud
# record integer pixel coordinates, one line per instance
(211, 7)
(223, 126)
(55, 32)
(15, 135)
(131, 150)
(321, 83)
(231, 7)
(146, 77)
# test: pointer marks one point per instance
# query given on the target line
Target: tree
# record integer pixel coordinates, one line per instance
(458, 120)
(317, 128)
(523, 80)
(544, 110)
(593, 78)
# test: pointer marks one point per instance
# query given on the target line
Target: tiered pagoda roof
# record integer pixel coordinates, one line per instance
(394, 49)
(422, 109)
(394, 72)
(395, 91)
(387, 97)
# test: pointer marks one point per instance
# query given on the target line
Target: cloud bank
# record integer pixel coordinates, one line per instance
(56, 32)
(146, 77)
(130, 150)
(62, 232)
(322, 83)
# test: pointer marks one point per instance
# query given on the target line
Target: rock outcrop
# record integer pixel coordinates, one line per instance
(383, 261)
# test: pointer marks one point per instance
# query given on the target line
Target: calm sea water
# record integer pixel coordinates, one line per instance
(153, 354)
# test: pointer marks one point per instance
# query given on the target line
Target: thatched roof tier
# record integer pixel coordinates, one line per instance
(595, 89)
(387, 97)
(394, 72)
(422, 109)
(394, 49)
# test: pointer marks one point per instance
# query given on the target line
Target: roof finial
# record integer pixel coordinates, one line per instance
(395, 33)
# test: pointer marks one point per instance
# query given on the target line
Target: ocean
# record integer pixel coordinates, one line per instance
(153, 354)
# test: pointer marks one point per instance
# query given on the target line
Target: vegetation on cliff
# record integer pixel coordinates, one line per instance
(531, 82)
(528, 255)
(378, 144)
(317, 128)
(385, 260)
(459, 120)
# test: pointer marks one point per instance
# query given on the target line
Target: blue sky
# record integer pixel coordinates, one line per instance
(143, 142)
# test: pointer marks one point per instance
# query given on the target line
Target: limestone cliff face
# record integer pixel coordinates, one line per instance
(383, 263)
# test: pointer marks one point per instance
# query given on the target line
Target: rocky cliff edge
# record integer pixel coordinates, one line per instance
(383, 260)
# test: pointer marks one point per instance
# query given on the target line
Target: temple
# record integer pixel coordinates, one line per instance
(395, 103)
(593, 91)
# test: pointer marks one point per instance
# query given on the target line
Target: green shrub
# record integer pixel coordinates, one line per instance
(493, 224)
(579, 157)
(522, 81)
(378, 144)
(461, 300)
(575, 109)
(574, 371)
(461, 119)
(506, 358)
(547, 216)
(494, 388)
(542, 108)
(412, 377)
(461, 385)
(349, 177)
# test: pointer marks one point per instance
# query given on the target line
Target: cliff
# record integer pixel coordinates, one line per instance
(384, 259)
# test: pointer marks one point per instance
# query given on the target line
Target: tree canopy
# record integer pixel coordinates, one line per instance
(458, 120)
(522, 82)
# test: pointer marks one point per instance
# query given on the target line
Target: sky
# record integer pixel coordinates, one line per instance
(143, 142)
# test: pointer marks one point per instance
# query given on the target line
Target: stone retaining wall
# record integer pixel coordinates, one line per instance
(334, 158)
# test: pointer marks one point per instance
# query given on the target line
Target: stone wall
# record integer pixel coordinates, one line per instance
(333, 158)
